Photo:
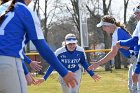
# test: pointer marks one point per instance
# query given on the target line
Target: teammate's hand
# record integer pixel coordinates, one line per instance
(96, 77)
(30, 79)
(70, 79)
(35, 65)
(118, 44)
(94, 66)
(135, 77)
(39, 81)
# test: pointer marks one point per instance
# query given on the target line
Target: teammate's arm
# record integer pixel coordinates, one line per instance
(90, 72)
(26, 71)
(130, 42)
(27, 59)
(86, 65)
(47, 74)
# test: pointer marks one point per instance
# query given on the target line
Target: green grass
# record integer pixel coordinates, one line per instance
(115, 82)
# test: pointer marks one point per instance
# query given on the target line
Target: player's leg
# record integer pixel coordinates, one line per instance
(78, 77)
(138, 85)
(63, 85)
(130, 78)
(10, 81)
(134, 85)
(21, 76)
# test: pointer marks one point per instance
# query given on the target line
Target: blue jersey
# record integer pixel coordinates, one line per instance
(123, 35)
(72, 60)
(19, 26)
(20, 31)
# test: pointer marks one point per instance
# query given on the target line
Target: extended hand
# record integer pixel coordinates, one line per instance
(35, 65)
(39, 81)
(70, 79)
(118, 44)
(96, 77)
(29, 78)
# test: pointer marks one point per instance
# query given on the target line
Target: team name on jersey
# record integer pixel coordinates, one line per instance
(70, 60)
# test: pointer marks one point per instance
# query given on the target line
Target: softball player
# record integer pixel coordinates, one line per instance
(33, 64)
(133, 87)
(109, 25)
(135, 40)
(72, 57)
(15, 32)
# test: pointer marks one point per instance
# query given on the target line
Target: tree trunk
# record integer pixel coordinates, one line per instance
(125, 9)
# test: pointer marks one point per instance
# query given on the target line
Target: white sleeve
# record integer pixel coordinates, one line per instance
(137, 30)
(114, 38)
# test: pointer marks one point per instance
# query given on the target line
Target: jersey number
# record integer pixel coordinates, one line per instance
(71, 66)
(6, 21)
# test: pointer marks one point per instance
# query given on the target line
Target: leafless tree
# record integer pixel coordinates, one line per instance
(125, 9)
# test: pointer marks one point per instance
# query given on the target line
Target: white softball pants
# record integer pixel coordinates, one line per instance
(12, 78)
(64, 87)
(133, 88)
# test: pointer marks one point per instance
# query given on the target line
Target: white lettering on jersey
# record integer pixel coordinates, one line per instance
(6, 21)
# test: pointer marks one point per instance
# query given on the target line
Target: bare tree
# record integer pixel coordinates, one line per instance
(47, 13)
(106, 7)
(125, 9)
(75, 13)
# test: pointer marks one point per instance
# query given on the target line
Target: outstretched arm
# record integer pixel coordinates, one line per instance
(26, 71)
(85, 64)
(47, 74)
(107, 58)
(27, 59)
(130, 42)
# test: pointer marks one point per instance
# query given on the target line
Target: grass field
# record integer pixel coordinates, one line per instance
(115, 82)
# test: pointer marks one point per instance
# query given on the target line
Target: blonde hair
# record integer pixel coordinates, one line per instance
(63, 43)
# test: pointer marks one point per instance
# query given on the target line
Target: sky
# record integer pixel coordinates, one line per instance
(117, 7)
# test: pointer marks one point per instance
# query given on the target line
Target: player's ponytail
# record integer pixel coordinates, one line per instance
(122, 26)
(10, 8)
